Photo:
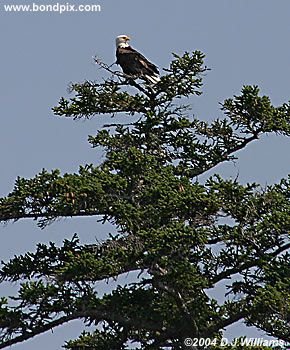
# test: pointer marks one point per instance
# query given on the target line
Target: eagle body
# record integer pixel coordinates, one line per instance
(133, 63)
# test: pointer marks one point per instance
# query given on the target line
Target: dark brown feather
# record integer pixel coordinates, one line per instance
(134, 63)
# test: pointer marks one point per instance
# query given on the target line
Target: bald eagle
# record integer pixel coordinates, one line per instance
(133, 63)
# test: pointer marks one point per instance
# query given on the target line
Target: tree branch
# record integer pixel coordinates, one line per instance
(228, 273)
(39, 330)
(224, 323)
(128, 78)
(230, 151)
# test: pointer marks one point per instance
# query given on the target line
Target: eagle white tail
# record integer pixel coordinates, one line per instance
(153, 79)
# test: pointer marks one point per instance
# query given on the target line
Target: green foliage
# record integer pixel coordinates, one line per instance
(182, 237)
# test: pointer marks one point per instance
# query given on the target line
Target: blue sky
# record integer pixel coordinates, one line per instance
(245, 41)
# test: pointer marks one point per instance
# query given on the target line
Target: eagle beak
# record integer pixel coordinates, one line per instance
(128, 38)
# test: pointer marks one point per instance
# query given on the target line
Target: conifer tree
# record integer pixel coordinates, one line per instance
(184, 236)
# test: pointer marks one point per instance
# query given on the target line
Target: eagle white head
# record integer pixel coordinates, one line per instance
(122, 41)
